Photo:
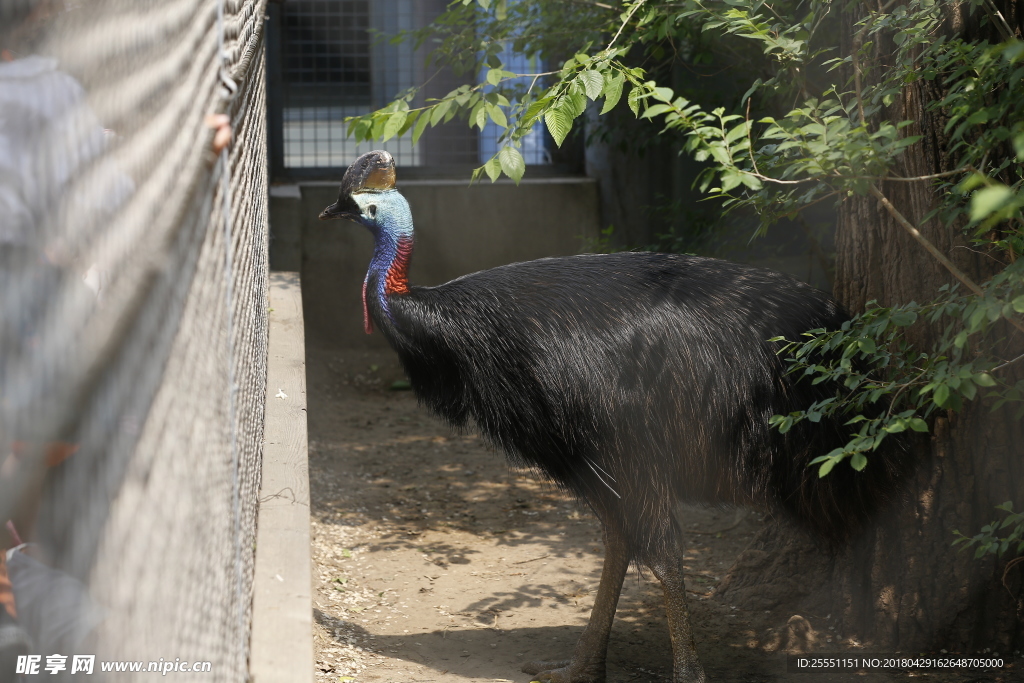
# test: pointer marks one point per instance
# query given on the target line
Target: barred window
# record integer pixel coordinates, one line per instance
(334, 61)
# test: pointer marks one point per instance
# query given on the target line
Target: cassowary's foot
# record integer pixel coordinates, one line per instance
(565, 671)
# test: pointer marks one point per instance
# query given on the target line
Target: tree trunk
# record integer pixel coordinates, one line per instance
(903, 585)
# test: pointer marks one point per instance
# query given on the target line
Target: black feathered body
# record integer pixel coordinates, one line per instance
(636, 381)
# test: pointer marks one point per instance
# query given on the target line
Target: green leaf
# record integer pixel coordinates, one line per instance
(730, 179)
(1018, 304)
(736, 133)
(493, 168)
(393, 125)
(755, 86)
(656, 109)
(377, 131)
(497, 115)
(980, 116)
(968, 389)
(867, 345)
(663, 94)
(984, 380)
(970, 182)
(994, 311)
(534, 111)
(613, 92)
(634, 100)
(421, 125)
(903, 318)
(918, 425)
(751, 181)
(990, 199)
(593, 83)
(826, 467)
(478, 116)
(512, 163)
(979, 315)
(559, 125)
(858, 461)
(438, 112)
(360, 128)
(409, 121)
(494, 76)
(574, 103)
(941, 395)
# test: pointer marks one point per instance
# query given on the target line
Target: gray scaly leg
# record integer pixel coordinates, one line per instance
(686, 666)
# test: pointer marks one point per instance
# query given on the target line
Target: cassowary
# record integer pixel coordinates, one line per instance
(635, 381)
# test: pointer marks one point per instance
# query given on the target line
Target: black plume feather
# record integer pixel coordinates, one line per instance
(637, 380)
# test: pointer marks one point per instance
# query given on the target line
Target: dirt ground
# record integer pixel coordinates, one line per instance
(432, 561)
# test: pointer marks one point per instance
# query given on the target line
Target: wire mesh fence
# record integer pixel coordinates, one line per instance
(133, 318)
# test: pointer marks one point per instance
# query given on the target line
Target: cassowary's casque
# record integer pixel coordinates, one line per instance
(636, 381)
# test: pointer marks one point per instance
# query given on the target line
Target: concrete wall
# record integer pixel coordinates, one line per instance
(459, 229)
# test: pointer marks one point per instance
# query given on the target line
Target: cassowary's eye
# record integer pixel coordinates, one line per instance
(372, 210)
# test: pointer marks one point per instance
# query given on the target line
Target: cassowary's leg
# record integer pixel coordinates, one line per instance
(686, 666)
(588, 660)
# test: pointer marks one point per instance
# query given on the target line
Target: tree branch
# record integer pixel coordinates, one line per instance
(998, 19)
(626, 21)
(1007, 363)
(750, 142)
(1006, 571)
(933, 250)
(892, 402)
(858, 40)
(595, 4)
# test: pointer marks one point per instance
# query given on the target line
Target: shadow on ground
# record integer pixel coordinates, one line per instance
(433, 561)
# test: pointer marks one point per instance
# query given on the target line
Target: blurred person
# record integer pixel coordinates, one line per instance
(48, 134)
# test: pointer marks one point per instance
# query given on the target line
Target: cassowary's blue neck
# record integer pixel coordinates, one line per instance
(393, 239)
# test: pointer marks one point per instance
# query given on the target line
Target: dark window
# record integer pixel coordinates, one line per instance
(326, 45)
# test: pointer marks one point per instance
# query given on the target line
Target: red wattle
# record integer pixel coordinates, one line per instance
(396, 280)
(367, 323)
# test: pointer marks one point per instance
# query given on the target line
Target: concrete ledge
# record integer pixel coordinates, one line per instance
(282, 612)
(288, 191)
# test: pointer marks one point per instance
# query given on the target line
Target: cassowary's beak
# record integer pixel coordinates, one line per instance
(373, 171)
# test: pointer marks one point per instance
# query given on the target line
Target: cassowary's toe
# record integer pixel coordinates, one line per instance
(563, 672)
(538, 667)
